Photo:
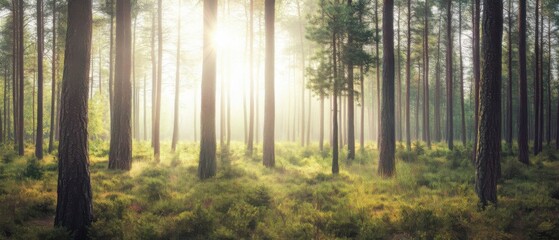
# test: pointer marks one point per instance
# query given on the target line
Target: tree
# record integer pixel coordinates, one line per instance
(53, 74)
(476, 69)
(438, 87)
(207, 161)
(350, 99)
(508, 118)
(523, 151)
(387, 141)
(489, 130)
(20, 79)
(157, 117)
(74, 209)
(177, 86)
(40, 38)
(408, 76)
(537, 85)
(269, 107)
(463, 117)
(120, 155)
(250, 139)
(449, 113)
(426, 135)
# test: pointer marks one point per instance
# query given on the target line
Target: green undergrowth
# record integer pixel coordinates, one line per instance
(431, 196)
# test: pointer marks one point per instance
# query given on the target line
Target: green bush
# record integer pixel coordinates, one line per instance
(54, 234)
(260, 197)
(421, 222)
(33, 169)
(154, 189)
(344, 225)
(196, 224)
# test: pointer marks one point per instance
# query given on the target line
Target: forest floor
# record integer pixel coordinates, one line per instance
(431, 197)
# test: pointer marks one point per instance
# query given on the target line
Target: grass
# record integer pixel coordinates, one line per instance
(431, 196)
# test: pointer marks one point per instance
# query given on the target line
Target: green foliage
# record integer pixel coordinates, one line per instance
(33, 169)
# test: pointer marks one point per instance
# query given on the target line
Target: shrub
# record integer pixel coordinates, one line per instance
(419, 221)
(197, 224)
(9, 156)
(54, 234)
(33, 169)
(154, 189)
(260, 197)
(344, 225)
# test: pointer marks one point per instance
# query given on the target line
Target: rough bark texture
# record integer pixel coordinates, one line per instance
(449, 113)
(508, 125)
(120, 155)
(207, 163)
(269, 107)
(426, 121)
(74, 203)
(350, 104)
(489, 131)
(437, 107)
(523, 151)
(40, 38)
(21, 81)
(335, 165)
(462, 115)
(387, 141)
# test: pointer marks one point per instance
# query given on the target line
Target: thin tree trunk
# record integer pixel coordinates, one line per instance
(156, 141)
(426, 128)
(449, 112)
(509, 87)
(463, 117)
(334, 115)
(321, 137)
(549, 77)
(489, 131)
(111, 60)
(438, 87)
(40, 39)
(537, 83)
(250, 144)
(21, 79)
(379, 117)
(398, 82)
(153, 78)
(523, 151)
(476, 68)
(362, 81)
(74, 198)
(408, 75)
(269, 117)
(177, 86)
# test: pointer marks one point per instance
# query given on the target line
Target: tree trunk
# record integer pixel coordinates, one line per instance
(269, 107)
(157, 125)
(379, 117)
(362, 83)
(408, 75)
(437, 107)
(40, 39)
(549, 77)
(177, 86)
(476, 68)
(21, 80)
(463, 117)
(74, 203)
(207, 163)
(250, 143)
(321, 137)
(537, 83)
(426, 129)
(120, 155)
(509, 85)
(523, 151)
(449, 112)
(153, 77)
(144, 109)
(350, 102)
(111, 60)
(398, 82)
(334, 115)
(387, 141)
(15, 67)
(489, 131)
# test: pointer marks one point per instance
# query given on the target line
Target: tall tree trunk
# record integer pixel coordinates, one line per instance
(417, 102)
(523, 151)
(153, 77)
(321, 137)
(334, 115)
(379, 117)
(387, 141)
(541, 94)
(449, 77)
(207, 163)
(157, 125)
(489, 131)
(426, 129)
(40, 39)
(21, 79)
(250, 144)
(15, 67)
(509, 85)
(463, 117)
(549, 77)
(269, 107)
(74, 209)
(408, 75)
(362, 83)
(350, 103)
(120, 154)
(111, 60)
(177, 86)
(438, 87)
(398, 82)
(476, 68)
(135, 93)
(537, 83)
(144, 109)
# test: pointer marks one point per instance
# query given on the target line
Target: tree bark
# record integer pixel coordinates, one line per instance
(537, 83)
(426, 122)
(387, 141)
(40, 39)
(523, 151)
(250, 143)
(74, 198)
(509, 85)
(207, 163)
(449, 77)
(120, 154)
(21, 81)
(463, 117)
(269, 117)
(489, 131)
(437, 107)
(350, 102)
(476, 68)
(334, 115)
